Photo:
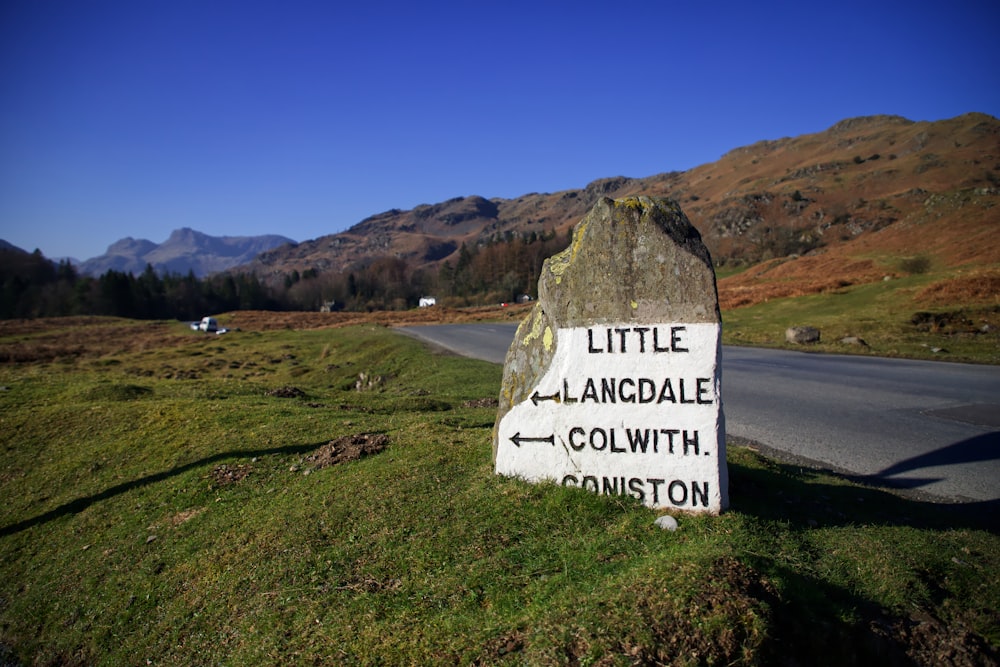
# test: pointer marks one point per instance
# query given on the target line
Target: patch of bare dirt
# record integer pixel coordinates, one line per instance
(488, 402)
(285, 392)
(225, 474)
(348, 448)
(498, 648)
(966, 321)
(185, 516)
(927, 641)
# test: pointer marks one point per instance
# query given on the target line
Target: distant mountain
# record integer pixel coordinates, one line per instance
(186, 250)
(913, 187)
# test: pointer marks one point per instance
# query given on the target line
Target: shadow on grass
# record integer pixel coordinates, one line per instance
(797, 493)
(80, 504)
(815, 622)
(808, 621)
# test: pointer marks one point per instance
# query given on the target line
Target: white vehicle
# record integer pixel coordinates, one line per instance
(207, 324)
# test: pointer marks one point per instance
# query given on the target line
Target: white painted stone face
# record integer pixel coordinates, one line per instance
(626, 409)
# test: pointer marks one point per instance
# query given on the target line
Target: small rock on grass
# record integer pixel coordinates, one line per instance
(667, 522)
(853, 340)
(800, 335)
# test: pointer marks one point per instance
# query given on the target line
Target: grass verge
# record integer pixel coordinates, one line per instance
(166, 502)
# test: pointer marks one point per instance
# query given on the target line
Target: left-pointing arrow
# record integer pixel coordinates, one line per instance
(517, 439)
(537, 398)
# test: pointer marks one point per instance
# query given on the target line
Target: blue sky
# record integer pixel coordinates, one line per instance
(137, 117)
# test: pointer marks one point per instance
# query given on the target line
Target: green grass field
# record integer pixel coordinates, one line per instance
(162, 505)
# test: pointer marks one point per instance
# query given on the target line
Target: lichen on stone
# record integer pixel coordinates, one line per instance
(534, 329)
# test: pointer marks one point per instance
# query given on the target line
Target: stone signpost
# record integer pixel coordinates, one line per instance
(612, 383)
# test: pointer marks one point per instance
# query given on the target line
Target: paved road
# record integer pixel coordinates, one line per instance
(932, 427)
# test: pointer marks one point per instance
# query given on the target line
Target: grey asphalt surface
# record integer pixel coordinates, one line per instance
(924, 426)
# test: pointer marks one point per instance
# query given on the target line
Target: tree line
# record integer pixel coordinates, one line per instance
(32, 286)
(501, 270)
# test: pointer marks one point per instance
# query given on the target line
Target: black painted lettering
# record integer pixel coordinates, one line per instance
(642, 337)
(677, 492)
(667, 393)
(607, 390)
(566, 398)
(642, 390)
(703, 390)
(590, 343)
(684, 399)
(613, 448)
(656, 341)
(611, 343)
(598, 439)
(610, 488)
(647, 390)
(675, 339)
(621, 335)
(670, 433)
(656, 488)
(703, 492)
(638, 440)
(690, 441)
(572, 443)
(626, 398)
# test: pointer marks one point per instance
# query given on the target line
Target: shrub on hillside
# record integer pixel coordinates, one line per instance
(919, 264)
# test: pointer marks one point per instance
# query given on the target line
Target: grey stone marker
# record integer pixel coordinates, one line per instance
(612, 382)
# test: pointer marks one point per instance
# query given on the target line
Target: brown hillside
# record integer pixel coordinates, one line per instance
(841, 206)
